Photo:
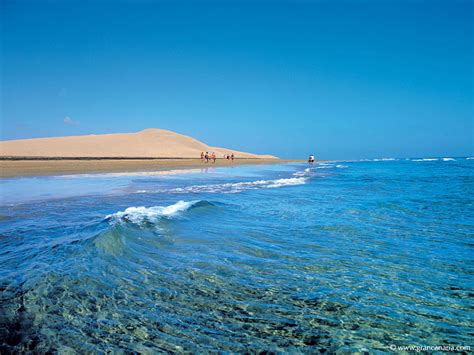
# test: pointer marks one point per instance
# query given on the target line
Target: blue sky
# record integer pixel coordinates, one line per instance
(340, 79)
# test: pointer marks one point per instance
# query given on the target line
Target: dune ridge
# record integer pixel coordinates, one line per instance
(149, 143)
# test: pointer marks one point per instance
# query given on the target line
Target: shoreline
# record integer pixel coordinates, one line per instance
(12, 168)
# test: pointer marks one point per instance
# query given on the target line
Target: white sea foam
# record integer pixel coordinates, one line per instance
(287, 182)
(426, 159)
(470, 158)
(384, 159)
(449, 159)
(241, 186)
(151, 214)
(325, 167)
(330, 166)
(305, 172)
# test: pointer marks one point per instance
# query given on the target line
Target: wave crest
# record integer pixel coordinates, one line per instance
(153, 214)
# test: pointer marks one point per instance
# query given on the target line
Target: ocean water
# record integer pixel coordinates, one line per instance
(335, 257)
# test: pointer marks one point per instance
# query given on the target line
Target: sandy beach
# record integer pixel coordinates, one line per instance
(37, 167)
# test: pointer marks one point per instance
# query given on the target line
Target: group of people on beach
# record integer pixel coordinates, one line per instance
(206, 157)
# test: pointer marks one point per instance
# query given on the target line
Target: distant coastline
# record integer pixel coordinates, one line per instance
(149, 150)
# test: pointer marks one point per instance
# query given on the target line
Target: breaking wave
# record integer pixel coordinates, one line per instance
(135, 227)
(153, 214)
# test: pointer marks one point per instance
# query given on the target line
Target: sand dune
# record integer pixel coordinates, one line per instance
(149, 143)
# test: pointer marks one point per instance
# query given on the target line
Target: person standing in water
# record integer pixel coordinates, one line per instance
(202, 157)
(213, 157)
(311, 159)
(206, 156)
(232, 156)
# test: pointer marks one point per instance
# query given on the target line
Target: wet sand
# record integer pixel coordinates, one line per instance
(38, 167)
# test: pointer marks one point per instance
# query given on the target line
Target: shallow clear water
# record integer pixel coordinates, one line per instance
(340, 256)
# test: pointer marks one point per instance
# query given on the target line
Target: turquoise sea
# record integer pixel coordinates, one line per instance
(339, 256)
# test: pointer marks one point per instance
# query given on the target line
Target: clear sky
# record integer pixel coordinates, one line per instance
(340, 79)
